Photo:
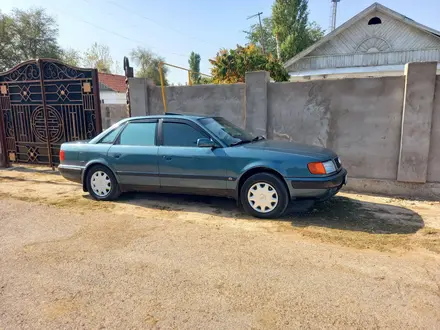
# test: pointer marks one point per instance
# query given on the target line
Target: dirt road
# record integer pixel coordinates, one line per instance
(171, 262)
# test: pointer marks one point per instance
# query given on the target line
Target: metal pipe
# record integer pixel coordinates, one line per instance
(189, 78)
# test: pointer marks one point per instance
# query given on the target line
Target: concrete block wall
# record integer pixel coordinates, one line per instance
(418, 102)
(112, 113)
(386, 130)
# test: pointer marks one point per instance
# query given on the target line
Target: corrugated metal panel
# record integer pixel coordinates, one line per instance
(373, 59)
(399, 35)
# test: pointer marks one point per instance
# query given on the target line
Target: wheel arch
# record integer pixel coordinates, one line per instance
(89, 165)
(255, 170)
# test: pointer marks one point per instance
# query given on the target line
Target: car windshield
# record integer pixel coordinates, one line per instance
(226, 131)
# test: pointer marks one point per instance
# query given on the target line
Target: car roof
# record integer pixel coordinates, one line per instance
(170, 115)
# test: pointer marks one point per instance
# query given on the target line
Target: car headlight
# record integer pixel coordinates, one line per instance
(329, 167)
(322, 167)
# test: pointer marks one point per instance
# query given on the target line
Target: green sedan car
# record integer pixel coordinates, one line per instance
(201, 155)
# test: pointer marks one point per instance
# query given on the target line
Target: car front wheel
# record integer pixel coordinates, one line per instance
(264, 195)
(102, 184)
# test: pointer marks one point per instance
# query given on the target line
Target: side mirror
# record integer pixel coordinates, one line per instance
(205, 143)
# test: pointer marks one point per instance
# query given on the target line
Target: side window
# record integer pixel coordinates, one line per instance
(110, 137)
(180, 135)
(138, 134)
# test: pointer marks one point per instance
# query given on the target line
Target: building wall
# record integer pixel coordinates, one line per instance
(396, 41)
(396, 34)
(111, 97)
(361, 119)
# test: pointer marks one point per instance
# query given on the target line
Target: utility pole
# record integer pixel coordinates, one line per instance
(261, 29)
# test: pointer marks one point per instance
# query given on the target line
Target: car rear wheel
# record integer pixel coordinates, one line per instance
(102, 184)
(264, 195)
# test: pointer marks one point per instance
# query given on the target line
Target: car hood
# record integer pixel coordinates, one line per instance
(292, 148)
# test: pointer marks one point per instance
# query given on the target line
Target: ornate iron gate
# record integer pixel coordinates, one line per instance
(44, 103)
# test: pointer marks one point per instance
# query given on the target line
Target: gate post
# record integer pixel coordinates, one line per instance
(46, 123)
(4, 157)
(97, 99)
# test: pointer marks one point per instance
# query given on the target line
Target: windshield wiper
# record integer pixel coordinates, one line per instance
(240, 142)
(258, 138)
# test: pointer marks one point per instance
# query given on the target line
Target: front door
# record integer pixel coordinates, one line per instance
(134, 156)
(185, 167)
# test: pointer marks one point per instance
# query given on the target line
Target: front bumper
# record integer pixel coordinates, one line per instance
(328, 182)
(71, 172)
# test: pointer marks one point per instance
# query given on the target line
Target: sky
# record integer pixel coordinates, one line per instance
(174, 28)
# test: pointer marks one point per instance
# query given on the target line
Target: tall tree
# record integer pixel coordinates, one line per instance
(7, 50)
(71, 56)
(230, 66)
(98, 56)
(257, 34)
(117, 68)
(194, 65)
(27, 34)
(295, 32)
(148, 65)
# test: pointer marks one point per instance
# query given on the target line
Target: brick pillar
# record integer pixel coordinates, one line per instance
(256, 102)
(416, 121)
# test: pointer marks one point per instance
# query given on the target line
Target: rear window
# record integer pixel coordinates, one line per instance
(110, 137)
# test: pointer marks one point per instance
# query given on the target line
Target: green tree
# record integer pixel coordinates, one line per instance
(256, 34)
(148, 65)
(71, 56)
(194, 65)
(7, 49)
(27, 34)
(295, 32)
(98, 56)
(230, 66)
(205, 80)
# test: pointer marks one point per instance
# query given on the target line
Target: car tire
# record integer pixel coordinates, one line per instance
(264, 195)
(102, 184)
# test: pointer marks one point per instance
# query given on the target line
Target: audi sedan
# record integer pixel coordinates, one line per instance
(202, 155)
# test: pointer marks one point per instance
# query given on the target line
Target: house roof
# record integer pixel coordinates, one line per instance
(113, 82)
(375, 6)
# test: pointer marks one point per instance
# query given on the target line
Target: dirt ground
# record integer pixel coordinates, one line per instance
(182, 262)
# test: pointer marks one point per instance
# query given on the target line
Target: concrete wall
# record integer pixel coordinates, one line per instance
(343, 115)
(434, 148)
(221, 100)
(380, 127)
(112, 113)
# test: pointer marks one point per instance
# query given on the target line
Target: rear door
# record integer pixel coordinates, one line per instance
(135, 155)
(185, 167)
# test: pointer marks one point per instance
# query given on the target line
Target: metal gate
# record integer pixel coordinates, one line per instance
(44, 103)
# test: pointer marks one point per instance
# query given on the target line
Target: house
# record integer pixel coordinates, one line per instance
(376, 42)
(112, 88)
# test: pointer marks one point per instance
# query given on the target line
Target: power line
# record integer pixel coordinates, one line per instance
(155, 22)
(261, 29)
(115, 33)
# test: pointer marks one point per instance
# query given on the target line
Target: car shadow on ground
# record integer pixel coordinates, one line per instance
(338, 213)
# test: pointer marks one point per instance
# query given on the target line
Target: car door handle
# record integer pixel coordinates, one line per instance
(167, 158)
(117, 156)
